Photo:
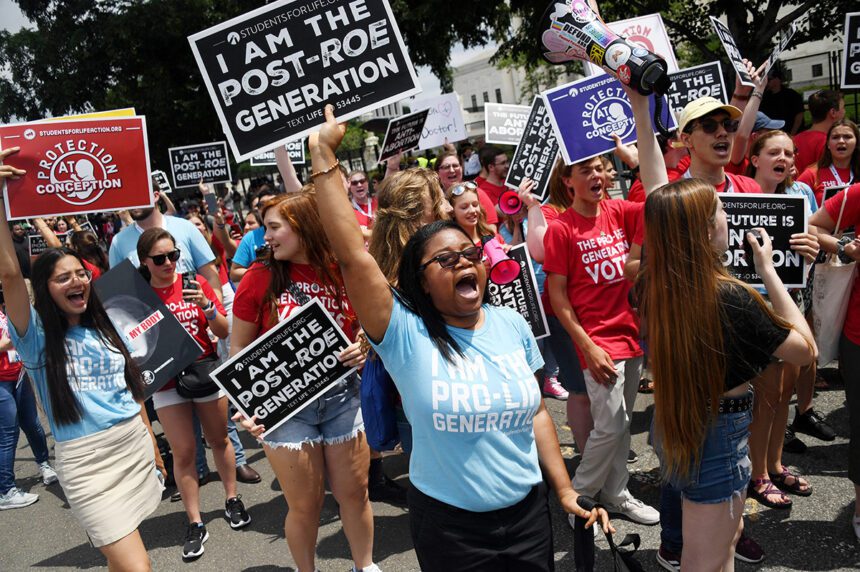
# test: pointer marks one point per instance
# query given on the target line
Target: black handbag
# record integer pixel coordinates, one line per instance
(194, 381)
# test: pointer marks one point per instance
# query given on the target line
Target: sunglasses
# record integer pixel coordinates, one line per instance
(710, 125)
(458, 190)
(450, 259)
(358, 181)
(160, 259)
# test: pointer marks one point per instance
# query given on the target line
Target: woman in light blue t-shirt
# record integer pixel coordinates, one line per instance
(91, 390)
(465, 372)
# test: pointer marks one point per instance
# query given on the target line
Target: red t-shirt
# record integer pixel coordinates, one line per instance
(221, 255)
(637, 190)
(191, 316)
(550, 213)
(850, 217)
(820, 179)
(591, 252)
(92, 268)
(739, 169)
(10, 363)
(249, 302)
(365, 218)
(810, 147)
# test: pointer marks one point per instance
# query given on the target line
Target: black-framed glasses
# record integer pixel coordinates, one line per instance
(450, 259)
(710, 125)
(461, 188)
(160, 259)
(66, 278)
(358, 181)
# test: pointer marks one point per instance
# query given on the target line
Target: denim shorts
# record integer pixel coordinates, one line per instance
(331, 419)
(724, 470)
(570, 373)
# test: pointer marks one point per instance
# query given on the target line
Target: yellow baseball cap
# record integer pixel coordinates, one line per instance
(700, 108)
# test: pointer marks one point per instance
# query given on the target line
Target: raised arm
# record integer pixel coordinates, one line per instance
(652, 167)
(47, 233)
(14, 288)
(742, 137)
(287, 170)
(366, 286)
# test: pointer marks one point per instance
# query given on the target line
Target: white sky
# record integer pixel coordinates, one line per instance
(11, 17)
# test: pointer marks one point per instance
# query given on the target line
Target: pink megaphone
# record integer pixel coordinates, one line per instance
(502, 268)
(510, 202)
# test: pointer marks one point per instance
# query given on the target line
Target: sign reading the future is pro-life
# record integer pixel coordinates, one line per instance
(271, 72)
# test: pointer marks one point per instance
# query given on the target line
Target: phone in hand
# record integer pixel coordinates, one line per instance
(748, 251)
(187, 278)
(211, 203)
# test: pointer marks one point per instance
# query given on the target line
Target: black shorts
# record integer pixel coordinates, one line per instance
(450, 539)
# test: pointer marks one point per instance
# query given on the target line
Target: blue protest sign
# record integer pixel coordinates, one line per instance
(585, 114)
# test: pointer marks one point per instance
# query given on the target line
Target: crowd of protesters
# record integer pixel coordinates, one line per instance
(399, 264)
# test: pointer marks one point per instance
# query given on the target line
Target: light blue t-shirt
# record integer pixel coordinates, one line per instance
(96, 376)
(473, 439)
(195, 251)
(246, 252)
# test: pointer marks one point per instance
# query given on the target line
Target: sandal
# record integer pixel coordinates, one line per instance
(769, 491)
(646, 385)
(798, 486)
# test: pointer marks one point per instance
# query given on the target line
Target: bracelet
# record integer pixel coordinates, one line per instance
(210, 317)
(334, 166)
(208, 307)
(757, 94)
(220, 225)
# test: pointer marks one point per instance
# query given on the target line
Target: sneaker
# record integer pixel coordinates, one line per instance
(792, 444)
(811, 423)
(632, 457)
(16, 498)
(748, 550)
(669, 560)
(195, 536)
(635, 510)
(552, 388)
(857, 527)
(236, 514)
(176, 497)
(48, 474)
(387, 491)
(371, 568)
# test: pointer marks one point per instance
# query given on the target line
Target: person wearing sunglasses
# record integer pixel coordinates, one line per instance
(362, 203)
(468, 213)
(200, 312)
(90, 389)
(465, 373)
(450, 172)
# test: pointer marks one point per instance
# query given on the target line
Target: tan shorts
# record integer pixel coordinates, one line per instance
(109, 479)
(170, 397)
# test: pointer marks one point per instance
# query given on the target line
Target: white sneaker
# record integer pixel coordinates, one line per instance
(635, 510)
(48, 474)
(552, 388)
(16, 498)
(857, 527)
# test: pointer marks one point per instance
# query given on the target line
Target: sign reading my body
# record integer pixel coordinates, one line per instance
(279, 71)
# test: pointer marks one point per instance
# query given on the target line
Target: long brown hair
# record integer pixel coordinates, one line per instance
(681, 308)
(481, 227)
(559, 195)
(300, 212)
(145, 243)
(399, 214)
(826, 158)
(755, 151)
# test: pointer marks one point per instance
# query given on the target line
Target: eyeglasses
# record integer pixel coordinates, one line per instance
(358, 181)
(160, 259)
(451, 167)
(458, 190)
(66, 278)
(450, 259)
(710, 125)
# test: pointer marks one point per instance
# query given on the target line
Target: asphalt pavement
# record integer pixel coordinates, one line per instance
(815, 535)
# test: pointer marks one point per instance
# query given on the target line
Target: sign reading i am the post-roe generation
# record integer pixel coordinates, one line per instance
(522, 293)
(536, 151)
(207, 161)
(287, 368)
(271, 71)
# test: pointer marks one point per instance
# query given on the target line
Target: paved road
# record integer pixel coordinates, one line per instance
(815, 535)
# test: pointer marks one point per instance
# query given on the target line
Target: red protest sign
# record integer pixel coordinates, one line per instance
(79, 166)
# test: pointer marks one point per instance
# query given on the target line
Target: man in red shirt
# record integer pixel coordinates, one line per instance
(496, 163)
(826, 107)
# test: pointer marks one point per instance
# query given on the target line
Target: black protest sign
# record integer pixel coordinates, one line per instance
(295, 150)
(522, 293)
(159, 344)
(781, 216)
(270, 72)
(207, 161)
(504, 124)
(732, 51)
(536, 151)
(161, 181)
(403, 134)
(784, 39)
(851, 53)
(37, 243)
(695, 82)
(287, 368)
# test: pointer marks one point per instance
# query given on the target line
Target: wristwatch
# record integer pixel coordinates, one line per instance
(840, 250)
